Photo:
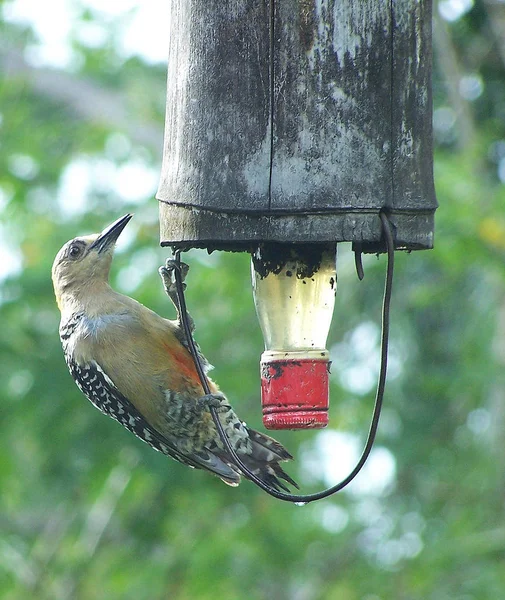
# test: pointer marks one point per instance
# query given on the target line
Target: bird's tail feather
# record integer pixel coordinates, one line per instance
(264, 460)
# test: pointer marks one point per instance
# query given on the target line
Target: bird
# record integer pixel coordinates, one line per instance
(136, 367)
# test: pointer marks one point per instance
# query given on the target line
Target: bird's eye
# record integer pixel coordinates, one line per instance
(75, 251)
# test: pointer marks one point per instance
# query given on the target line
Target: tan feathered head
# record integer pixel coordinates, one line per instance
(84, 260)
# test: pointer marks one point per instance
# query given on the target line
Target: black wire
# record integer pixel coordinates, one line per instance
(305, 498)
(183, 312)
(358, 262)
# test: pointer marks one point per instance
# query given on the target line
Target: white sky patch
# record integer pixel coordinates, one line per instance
(133, 182)
(11, 260)
(501, 170)
(369, 511)
(356, 360)
(143, 32)
(333, 455)
(471, 86)
(452, 10)
(53, 34)
(358, 379)
(40, 200)
(101, 174)
(444, 119)
(147, 33)
(479, 421)
(60, 56)
(92, 35)
(332, 517)
(112, 9)
(23, 166)
(74, 188)
(127, 238)
(142, 264)
(118, 146)
(5, 198)
(385, 539)
(20, 383)
(378, 474)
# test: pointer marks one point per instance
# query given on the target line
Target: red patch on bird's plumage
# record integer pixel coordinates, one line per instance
(183, 360)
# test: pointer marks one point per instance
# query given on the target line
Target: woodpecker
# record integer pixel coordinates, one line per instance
(135, 366)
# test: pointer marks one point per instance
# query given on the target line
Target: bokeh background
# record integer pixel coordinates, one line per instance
(89, 512)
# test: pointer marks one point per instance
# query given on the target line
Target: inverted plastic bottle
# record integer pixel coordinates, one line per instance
(294, 293)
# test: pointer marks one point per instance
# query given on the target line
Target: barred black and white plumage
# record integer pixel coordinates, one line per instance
(134, 366)
(104, 395)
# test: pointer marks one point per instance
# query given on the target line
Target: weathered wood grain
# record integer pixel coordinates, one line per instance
(297, 120)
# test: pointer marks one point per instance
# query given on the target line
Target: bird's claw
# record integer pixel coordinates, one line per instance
(167, 274)
(172, 265)
(214, 401)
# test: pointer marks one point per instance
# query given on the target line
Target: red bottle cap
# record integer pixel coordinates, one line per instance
(294, 389)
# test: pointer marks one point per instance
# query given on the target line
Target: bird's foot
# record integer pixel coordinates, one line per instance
(216, 401)
(167, 274)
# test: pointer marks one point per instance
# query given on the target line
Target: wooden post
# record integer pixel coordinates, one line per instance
(297, 121)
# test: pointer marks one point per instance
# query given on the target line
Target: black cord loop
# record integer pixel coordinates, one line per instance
(305, 498)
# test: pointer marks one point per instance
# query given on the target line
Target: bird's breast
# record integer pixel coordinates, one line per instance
(83, 338)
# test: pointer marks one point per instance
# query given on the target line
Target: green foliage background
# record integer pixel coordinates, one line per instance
(87, 511)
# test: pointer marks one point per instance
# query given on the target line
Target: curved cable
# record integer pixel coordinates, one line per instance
(306, 498)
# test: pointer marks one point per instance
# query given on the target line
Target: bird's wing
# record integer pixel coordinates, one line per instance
(104, 395)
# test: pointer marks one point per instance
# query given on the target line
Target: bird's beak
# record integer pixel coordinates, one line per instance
(110, 234)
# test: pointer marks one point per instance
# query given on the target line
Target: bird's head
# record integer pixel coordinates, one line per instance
(85, 261)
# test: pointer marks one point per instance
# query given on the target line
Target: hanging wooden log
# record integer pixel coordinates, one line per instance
(297, 121)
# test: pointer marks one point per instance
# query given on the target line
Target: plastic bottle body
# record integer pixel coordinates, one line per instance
(294, 302)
